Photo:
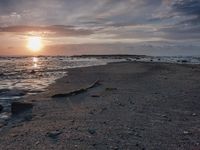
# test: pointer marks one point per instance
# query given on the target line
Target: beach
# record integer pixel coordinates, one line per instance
(119, 106)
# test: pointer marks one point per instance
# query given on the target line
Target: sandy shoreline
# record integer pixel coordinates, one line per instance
(136, 106)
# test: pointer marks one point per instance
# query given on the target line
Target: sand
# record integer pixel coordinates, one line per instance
(144, 106)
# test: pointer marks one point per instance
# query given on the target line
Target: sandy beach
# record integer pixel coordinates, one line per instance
(135, 105)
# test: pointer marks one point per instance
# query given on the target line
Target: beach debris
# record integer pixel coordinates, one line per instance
(54, 134)
(76, 92)
(186, 133)
(194, 114)
(17, 107)
(111, 89)
(72, 121)
(120, 104)
(92, 131)
(184, 61)
(37, 143)
(95, 95)
(137, 145)
(14, 135)
(164, 116)
(92, 111)
(103, 109)
(32, 72)
(1, 108)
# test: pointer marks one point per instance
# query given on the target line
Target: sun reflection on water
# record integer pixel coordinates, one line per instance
(35, 59)
(35, 62)
(35, 65)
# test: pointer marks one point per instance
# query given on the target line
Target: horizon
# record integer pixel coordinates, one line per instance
(92, 27)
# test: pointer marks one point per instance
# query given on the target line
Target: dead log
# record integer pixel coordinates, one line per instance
(76, 92)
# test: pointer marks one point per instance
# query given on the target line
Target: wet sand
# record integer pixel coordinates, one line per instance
(144, 106)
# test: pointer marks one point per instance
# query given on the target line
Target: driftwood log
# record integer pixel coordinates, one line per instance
(76, 92)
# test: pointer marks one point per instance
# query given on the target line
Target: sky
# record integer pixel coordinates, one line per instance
(147, 27)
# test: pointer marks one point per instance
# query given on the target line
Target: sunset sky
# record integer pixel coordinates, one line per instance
(68, 27)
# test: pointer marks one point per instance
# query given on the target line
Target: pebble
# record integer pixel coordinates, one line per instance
(186, 132)
(194, 114)
(95, 95)
(37, 143)
(54, 134)
(92, 131)
(111, 89)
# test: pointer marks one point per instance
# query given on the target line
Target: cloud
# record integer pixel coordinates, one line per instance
(56, 30)
(117, 19)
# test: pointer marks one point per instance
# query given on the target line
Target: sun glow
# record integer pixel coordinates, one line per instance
(34, 43)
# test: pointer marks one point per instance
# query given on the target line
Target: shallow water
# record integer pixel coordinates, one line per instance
(29, 75)
(21, 76)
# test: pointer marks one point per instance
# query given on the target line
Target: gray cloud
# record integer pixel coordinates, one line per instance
(56, 30)
(125, 19)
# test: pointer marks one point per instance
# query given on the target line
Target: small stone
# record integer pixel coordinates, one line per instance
(120, 104)
(95, 95)
(104, 122)
(103, 109)
(164, 116)
(137, 144)
(186, 132)
(14, 135)
(184, 61)
(33, 72)
(37, 143)
(92, 131)
(111, 89)
(54, 134)
(72, 121)
(115, 148)
(91, 112)
(194, 114)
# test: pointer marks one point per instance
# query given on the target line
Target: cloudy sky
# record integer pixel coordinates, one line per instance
(151, 27)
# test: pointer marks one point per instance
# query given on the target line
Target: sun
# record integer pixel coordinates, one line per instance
(34, 43)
